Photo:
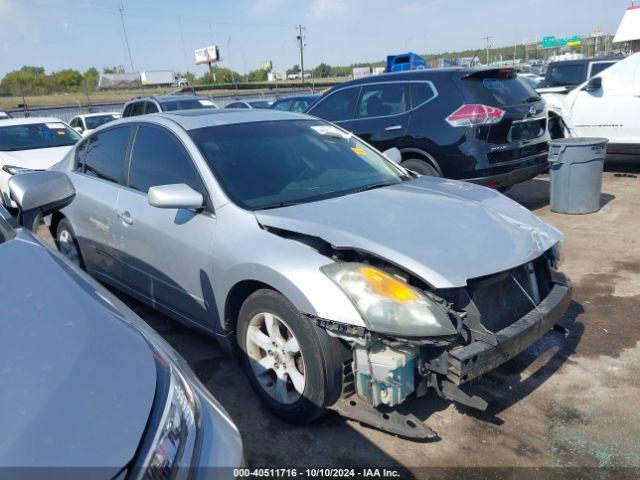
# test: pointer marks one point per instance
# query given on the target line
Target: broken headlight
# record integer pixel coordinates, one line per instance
(388, 304)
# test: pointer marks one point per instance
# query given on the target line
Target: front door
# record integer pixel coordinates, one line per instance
(167, 253)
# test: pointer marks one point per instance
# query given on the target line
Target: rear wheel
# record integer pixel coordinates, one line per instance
(284, 357)
(420, 166)
(67, 243)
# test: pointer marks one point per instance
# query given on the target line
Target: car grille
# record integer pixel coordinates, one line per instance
(498, 300)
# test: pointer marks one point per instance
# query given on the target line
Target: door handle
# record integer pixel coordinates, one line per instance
(125, 217)
(393, 127)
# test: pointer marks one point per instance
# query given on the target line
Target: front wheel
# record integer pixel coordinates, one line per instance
(284, 357)
(67, 243)
(420, 166)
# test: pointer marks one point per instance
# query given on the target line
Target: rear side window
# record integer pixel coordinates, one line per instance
(336, 106)
(137, 109)
(420, 92)
(496, 89)
(158, 158)
(103, 155)
(382, 99)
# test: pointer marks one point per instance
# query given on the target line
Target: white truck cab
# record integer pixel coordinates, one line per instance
(607, 105)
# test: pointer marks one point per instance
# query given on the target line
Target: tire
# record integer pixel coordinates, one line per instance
(420, 166)
(68, 244)
(317, 358)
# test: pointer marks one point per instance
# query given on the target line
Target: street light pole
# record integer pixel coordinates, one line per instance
(300, 38)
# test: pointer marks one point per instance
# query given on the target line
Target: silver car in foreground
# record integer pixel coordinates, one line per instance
(347, 281)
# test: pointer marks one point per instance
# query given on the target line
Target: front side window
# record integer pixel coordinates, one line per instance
(337, 106)
(381, 100)
(270, 164)
(561, 75)
(300, 106)
(598, 67)
(103, 155)
(158, 158)
(37, 135)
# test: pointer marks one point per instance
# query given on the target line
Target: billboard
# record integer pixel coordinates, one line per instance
(206, 55)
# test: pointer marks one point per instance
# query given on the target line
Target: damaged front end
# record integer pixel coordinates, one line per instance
(492, 319)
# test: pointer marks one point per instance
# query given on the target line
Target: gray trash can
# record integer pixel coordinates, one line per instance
(575, 166)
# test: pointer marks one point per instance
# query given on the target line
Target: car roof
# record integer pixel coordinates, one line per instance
(29, 121)
(211, 117)
(300, 97)
(428, 74)
(167, 98)
(580, 61)
(100, 114)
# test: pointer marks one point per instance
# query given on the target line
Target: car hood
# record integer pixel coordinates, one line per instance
(444, 231)
(36, 159)
(78, 382)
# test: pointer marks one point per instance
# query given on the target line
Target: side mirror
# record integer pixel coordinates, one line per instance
(393, 154)
(594, 84)
(39, 194)
(178, 195)
(78, 129)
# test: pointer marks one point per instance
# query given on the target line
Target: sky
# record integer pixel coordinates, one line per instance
(164, 33)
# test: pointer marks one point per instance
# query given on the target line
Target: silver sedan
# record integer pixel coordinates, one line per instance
(346, 281)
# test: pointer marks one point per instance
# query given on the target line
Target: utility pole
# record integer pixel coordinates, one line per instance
(487, 38)
(300, 38)
(126, 39)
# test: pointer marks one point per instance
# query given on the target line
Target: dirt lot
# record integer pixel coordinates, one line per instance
(570, 402)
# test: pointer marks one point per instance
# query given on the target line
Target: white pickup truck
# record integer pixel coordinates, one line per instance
(607, 105)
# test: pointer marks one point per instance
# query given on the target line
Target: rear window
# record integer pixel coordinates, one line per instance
(495, 88)
(564, 75)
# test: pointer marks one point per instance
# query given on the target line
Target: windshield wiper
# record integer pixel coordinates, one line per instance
(278, 205)
(373, 187)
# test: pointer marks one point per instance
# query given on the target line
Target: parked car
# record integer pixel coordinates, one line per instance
(296, 103)
(5, 115)
(606, 105)
(480, 125)
(31, 144)
(84, 124)
(405, 62)
(316, 255)
(531, 79)
(165, 103)
(562, 76)
(86, 384)
(258, 103)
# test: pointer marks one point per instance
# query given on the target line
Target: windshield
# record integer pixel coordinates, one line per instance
(37, 135)
(95, 122)
(190, 104)
(271, 164)
(497, 89)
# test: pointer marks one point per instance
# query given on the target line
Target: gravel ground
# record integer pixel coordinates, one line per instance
(565, 402)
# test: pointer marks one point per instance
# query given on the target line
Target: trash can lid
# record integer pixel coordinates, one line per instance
(578, 141)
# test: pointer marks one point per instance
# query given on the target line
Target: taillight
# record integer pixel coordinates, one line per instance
(475, 114)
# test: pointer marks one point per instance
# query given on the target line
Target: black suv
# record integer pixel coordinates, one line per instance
(480, 125)
(165, 103)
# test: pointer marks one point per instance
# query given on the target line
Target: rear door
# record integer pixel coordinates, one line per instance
(166, 253)
(98, 176)
(522, 131)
